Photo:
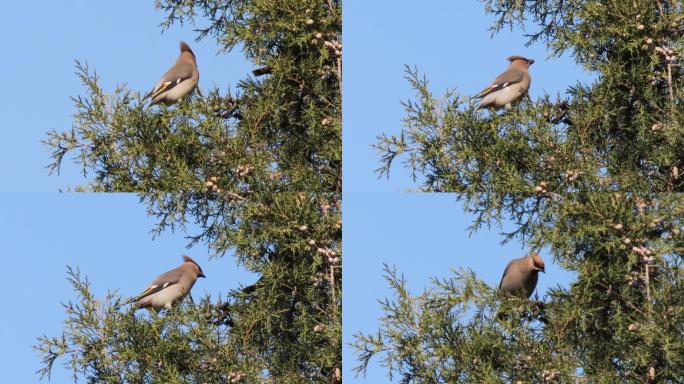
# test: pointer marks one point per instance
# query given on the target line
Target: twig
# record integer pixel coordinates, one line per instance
(332, 284)
(647, 280)
(235, 196)
(669, 83)
(339, 72)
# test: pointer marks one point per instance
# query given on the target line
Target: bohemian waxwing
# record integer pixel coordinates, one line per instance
(520, 276)
(169, 287)
(178, 81)
(509, 86)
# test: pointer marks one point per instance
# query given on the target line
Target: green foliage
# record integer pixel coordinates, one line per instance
(426, 339)
(278, 133)
(591, 176)
(105, 344)
(599, 137)
(286, 328)
(259, 173)
(621, 320)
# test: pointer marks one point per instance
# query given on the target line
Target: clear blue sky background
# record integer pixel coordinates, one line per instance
(423, 235)
(121, 40)
(108, 237)
(41, 233)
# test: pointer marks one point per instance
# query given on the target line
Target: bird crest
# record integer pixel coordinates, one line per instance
(518, 57)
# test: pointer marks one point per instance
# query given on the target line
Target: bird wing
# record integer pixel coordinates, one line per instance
(505, 79)
(164, 280)
(174, 76)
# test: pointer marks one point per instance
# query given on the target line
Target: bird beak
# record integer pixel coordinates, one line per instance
(201, 275)
(530, 61)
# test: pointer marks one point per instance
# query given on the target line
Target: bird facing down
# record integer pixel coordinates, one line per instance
(509, 86)
(178, 81)
(520, 276)
(169, 287)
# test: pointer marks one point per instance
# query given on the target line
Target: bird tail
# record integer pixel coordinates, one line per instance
(156, 92)
(143, 101)
(138, 303)
(482, 95)
(487, 91)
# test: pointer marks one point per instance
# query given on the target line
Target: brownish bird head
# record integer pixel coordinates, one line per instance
(537, 262)
(521, 59)
(186, 48)
(187, 259)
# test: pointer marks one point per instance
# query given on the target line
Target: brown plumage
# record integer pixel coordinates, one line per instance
(508, 87)
(521, 275)
(170, 286)
(178, 81)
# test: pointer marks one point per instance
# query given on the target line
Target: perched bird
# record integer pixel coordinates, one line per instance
(520, 276)
(509, 86)
(178, 81)
(169, 287)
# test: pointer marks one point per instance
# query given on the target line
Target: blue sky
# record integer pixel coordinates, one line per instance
(450, 43)
(423, 235)
(108, 237)
(121, 40)
(44, 232)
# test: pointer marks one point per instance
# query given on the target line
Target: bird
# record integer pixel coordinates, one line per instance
(509, 86)
(521, 275)
(178, 81)
(169, 287)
